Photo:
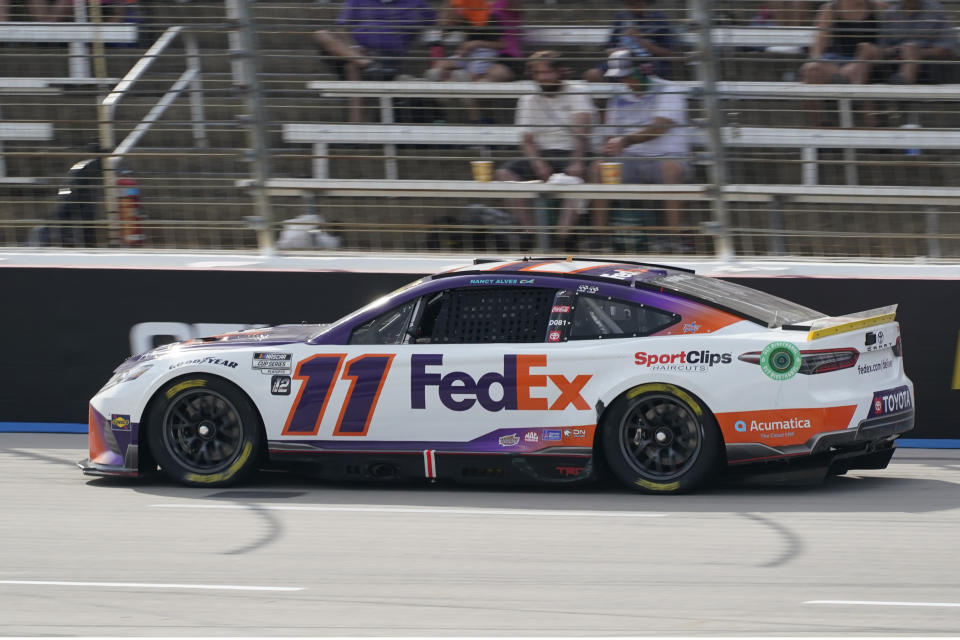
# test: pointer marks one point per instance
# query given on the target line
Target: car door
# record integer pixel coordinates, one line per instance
(481, 370)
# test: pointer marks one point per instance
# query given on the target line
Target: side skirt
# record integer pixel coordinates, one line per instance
(492, 468)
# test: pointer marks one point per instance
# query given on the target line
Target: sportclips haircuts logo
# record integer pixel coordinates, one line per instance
(524, 386)
(683, 361)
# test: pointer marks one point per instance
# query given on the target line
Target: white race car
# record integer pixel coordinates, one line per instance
(533, 370)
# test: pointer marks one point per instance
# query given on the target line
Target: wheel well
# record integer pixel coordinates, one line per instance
(145, 457)
(597, 441)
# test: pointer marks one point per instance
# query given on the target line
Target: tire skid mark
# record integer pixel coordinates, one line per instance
(793, 545)
(274, 529)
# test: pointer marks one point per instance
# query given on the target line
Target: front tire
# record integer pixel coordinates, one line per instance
(203, 431)
(657, 438)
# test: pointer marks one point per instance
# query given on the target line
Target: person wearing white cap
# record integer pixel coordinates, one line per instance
(644, 129)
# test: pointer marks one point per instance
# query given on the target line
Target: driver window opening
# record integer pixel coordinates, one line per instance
(485, 315)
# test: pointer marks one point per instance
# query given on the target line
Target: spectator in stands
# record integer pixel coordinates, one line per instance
(645, 32)
(554, 127)
(914, 31)
(845, 48)
(491, 49)
(40, 10)
(375, 41)
(643, 130)
(51, 10)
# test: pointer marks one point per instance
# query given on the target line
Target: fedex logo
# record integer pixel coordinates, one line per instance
(523, 385)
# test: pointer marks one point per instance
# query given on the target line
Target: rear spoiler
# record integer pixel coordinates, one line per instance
(842, 324)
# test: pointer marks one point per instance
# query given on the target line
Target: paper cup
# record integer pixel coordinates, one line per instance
(482, 170)
(610, 172)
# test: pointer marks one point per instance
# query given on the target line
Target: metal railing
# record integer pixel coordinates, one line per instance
(214, 157)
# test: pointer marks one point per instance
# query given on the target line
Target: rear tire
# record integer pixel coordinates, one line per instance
(658, 438)
(203, 431)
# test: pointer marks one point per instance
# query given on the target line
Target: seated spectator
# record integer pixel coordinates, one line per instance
(376, 40)
(491, 49)
(914, 31)
(554, 126)
(845, 48)
(642, 31)
(643, 131)
(41, 10)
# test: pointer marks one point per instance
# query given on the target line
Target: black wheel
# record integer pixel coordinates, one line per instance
(203, 431)
(657, 438)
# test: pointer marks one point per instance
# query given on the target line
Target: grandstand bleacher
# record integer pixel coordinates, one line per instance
(189, 183)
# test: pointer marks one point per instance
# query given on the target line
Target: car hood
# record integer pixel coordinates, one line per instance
(267, 336)
(282, 334)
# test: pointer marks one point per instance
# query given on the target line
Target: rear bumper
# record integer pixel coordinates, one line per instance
(866, 437)
(869, 430)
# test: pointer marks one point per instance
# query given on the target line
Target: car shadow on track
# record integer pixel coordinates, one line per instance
(875, 491)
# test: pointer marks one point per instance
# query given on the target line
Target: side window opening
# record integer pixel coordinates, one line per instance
(485, 315)
(596, 317)
(389, 327)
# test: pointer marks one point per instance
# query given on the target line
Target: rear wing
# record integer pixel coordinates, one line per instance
(842, 324)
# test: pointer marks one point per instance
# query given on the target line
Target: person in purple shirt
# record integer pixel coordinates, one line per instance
(374, 38)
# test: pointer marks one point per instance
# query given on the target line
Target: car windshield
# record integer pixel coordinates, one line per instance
(750, 303)
(382, 301)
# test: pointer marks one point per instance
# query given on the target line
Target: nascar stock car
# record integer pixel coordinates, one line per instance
(533, 370)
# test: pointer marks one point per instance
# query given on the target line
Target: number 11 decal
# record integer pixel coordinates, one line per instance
(318, 375)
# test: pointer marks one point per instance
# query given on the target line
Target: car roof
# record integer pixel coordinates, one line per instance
(757, 306)
(623, 272)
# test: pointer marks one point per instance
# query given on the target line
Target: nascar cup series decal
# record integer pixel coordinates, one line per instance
(780, 360)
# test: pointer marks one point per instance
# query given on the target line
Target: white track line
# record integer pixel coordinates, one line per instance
(146, 585)
(421, 510)
(880, 603)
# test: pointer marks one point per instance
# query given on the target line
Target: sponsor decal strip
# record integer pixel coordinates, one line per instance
(782, 427)
(520, 440)
(851, 326)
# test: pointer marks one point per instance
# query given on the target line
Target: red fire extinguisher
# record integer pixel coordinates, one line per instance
(130, 217)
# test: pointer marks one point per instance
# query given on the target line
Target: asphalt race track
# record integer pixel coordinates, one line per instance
(874, 552)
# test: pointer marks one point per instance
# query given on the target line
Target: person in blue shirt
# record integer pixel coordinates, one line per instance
(645, 32)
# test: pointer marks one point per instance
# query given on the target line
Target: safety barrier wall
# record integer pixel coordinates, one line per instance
(65, 329)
